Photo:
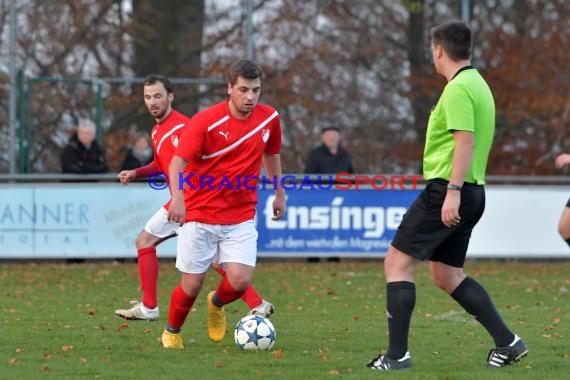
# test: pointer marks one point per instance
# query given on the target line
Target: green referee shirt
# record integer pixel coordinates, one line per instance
(466, 104)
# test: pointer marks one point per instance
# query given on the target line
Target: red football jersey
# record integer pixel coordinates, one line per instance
(224, 157)
(165, 137)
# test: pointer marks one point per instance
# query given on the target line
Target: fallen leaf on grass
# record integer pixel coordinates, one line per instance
(14, 361)
(122, 326)
(67, 348)
(278, 354)
(334, 372)
(218, 365)
(47, 356)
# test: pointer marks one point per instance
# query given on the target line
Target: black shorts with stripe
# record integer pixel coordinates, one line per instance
(423, 235)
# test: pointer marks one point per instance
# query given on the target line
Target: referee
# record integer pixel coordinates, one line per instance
(438, 225)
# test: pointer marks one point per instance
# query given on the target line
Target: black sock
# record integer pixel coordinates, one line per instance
(567, 241)
(400, 302)
(216, 300)
(476, 301)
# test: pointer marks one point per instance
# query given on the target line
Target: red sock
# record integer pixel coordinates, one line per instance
(251, 297)
(180, 305)
(220, 270)
(148, 274)
(226, 293)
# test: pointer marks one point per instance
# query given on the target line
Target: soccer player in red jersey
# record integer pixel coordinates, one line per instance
(564, 224)
(165, 135)
(218, 161)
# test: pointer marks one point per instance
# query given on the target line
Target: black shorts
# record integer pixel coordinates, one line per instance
(423, 235)
(568, 203)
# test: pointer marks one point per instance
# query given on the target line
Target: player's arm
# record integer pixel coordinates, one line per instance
(272, 164)
(462, 156)
(126, 176)
(176, 211)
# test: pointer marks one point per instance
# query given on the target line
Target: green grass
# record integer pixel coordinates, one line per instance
(58, 322)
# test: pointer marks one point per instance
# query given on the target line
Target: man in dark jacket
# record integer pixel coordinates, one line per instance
(330, 157)
(82, 154)
(138, 155)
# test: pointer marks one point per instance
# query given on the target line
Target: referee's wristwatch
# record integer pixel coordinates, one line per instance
(452, 186)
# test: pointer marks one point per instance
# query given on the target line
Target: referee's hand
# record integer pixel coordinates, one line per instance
(450, 209)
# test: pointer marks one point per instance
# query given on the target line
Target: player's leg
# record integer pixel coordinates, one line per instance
(419, 233)
(195, 251)
(475, 299)
(564, 224)
(156, 230)
(256, 304)
(181, 302)
(446, 266)
(237, 254)
(400, 302)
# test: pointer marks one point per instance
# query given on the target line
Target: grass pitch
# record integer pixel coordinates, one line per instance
(58, 322)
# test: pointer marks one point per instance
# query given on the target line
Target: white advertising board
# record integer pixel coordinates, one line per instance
(102, 220)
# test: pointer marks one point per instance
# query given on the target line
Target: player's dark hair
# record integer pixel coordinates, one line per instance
(244, 68)
(154, 78)
(455, 38)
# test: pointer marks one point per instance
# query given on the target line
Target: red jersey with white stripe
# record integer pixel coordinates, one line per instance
(224, 157)
(165, 137)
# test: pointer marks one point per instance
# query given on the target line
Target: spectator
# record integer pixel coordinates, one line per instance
(330, 157)
(138, 155)
(82, 154)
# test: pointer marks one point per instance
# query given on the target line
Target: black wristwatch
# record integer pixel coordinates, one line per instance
(452, 186)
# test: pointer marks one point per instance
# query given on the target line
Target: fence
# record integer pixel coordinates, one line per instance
(49, 107)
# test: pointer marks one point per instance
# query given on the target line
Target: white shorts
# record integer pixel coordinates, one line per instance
(159, 225)
(199, 243)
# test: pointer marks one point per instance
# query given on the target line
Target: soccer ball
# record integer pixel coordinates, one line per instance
(254, 332)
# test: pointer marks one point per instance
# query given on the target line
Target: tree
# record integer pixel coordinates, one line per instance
(167, 39)
(364, 66)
